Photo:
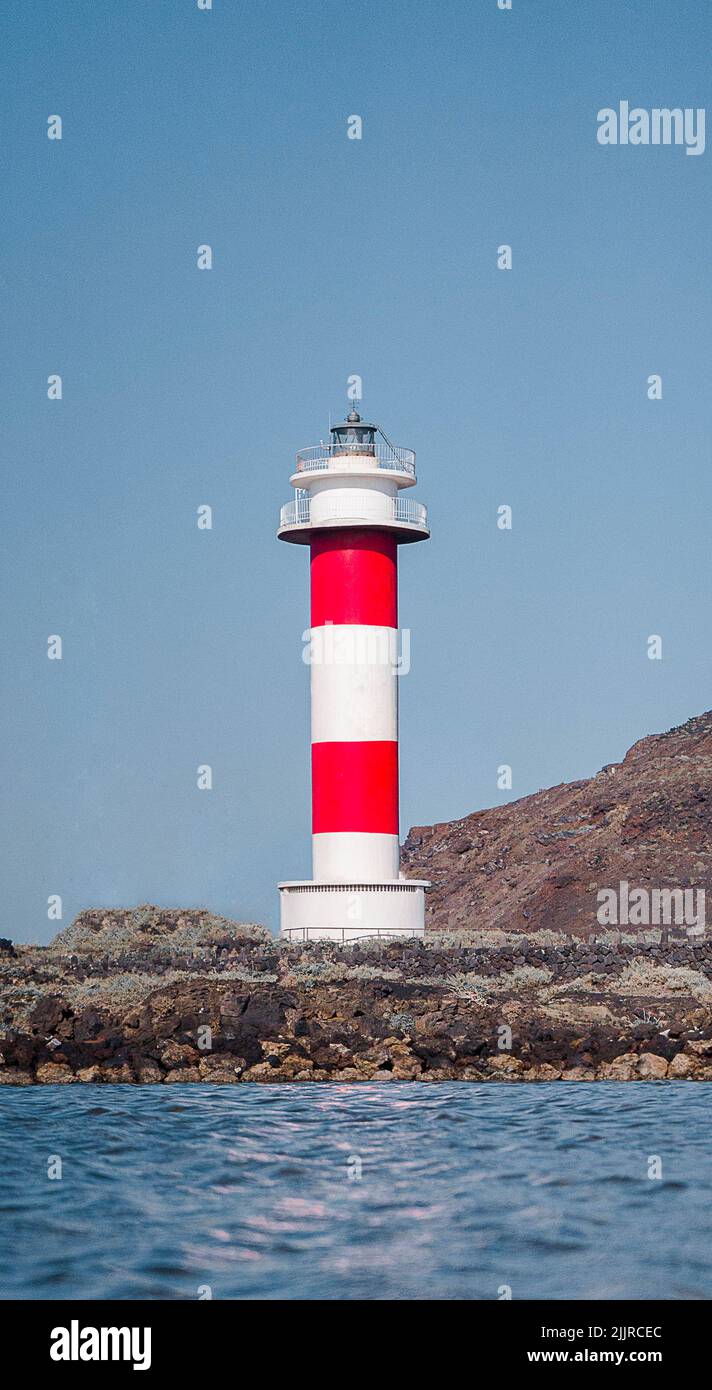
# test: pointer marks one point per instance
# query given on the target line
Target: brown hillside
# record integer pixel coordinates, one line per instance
(539, 862)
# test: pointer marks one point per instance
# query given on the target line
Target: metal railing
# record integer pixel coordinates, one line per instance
(348, 934)
(387, 456)
(415, 513)
(297, 513)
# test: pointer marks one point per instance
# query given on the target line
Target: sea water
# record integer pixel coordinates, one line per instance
(394, 1190)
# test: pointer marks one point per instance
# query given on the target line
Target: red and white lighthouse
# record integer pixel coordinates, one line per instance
(350, 511)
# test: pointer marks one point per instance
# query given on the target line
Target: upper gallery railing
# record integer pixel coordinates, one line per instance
(384, 456)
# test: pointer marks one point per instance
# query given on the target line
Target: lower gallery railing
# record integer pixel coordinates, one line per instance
(403, 509)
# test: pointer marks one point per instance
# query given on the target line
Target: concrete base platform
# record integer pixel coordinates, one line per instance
(351, 911)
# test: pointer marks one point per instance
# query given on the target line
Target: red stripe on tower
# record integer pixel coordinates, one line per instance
(354, 578)
(355, 787)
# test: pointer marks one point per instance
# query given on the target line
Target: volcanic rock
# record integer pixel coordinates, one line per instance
(539, 862)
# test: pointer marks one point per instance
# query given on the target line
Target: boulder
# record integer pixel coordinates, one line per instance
(406, 1069)
(148, 1073)
(622, 1068)
(543, 1071)
(651, 1067)
(504, 1064)
(92, 1075)
(261, 1071)
(221, 1068)
(682, 1067)
(53, 1074)
(181, 1075)
(120, 1075)
(176, 1054)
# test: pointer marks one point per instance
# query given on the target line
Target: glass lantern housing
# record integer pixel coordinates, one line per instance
(354, 436)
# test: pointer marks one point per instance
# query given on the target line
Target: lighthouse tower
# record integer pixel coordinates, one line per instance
(351, 512)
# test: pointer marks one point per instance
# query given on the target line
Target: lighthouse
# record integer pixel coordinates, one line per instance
(352, 510)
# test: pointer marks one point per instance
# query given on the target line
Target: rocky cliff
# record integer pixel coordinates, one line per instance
(539, 862)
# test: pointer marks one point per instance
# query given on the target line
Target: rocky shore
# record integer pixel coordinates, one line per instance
(153, 996)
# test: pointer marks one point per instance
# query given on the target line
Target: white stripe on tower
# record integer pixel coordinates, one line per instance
(354, 694)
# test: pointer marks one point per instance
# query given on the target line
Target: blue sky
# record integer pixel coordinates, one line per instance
(331, 257)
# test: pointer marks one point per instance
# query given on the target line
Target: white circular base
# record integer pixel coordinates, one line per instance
(351, 911)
